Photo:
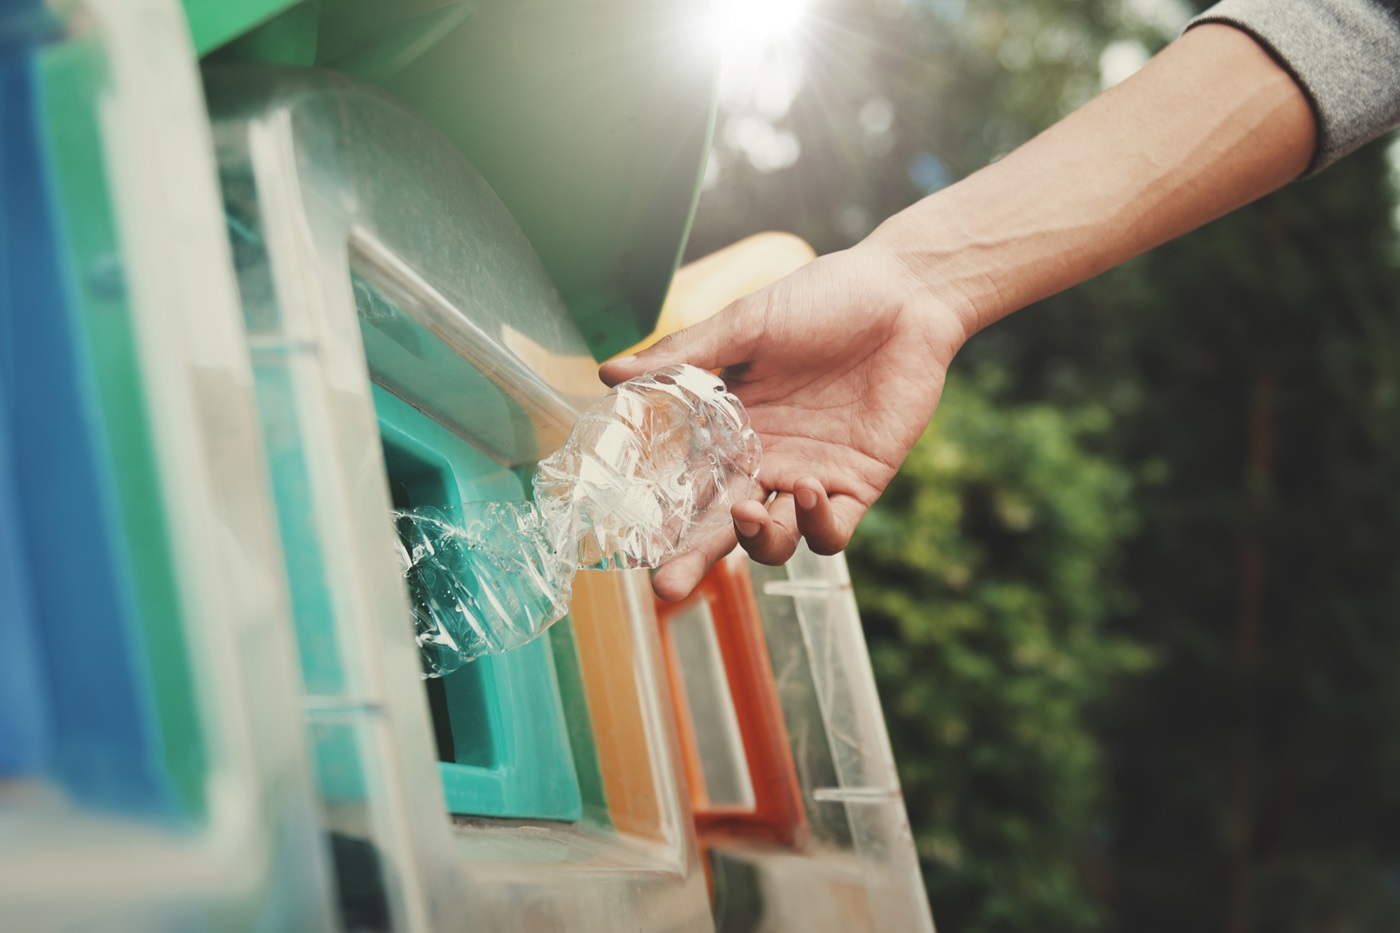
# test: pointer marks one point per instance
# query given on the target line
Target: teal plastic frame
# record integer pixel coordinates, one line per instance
(505, 713)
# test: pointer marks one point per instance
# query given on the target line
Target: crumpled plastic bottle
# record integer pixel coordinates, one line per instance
(648, 472)
(482, 579)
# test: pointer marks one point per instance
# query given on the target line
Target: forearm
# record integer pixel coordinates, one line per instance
(1210, 124)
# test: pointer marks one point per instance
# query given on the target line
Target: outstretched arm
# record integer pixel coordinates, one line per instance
(841, 364)
(1209, 125)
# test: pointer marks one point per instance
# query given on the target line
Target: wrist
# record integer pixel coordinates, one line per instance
(939, 308)
(938, 261)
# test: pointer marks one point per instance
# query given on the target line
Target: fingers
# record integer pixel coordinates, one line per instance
(826, 523)
(679, 576)
(770, 535)
(621, 369)
(727, 339)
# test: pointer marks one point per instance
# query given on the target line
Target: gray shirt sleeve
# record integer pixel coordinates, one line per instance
(1344, 54)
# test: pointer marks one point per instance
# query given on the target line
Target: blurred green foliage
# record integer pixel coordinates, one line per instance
(1194, 458)
(985, 577)
(1259, 767)
(1253, 374)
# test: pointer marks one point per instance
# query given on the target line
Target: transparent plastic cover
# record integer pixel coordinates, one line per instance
(648, 472)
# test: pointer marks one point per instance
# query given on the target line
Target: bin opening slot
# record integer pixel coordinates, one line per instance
(708, 700)
(457, 417)
(730, 719)
(461, 721)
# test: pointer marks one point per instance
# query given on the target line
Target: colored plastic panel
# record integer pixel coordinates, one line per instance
(743, 785)
(505, 751)
(23, 707)
(214, 23)
(105, 743)
(77, 701)
(703, 287)
(602, 609)
(141, 517)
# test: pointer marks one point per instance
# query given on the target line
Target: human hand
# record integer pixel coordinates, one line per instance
(841, 363)
(840, 366)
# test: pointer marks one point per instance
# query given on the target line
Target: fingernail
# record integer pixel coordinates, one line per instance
(747, 529)
(806, 498)
(625, 359)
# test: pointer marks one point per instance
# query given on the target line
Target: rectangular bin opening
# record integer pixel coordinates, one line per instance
(414, 481)
(713, 720)
(461, 719)
(499, 724)
(729, 715)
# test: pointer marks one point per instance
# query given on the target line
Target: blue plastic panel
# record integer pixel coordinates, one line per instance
(23, 709)
(71, 665)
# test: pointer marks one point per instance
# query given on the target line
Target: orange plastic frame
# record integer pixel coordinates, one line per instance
(778, 816)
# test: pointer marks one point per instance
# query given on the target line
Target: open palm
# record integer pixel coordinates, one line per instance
(840, 371)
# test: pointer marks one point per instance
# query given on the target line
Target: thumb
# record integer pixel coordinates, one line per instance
(727, 339)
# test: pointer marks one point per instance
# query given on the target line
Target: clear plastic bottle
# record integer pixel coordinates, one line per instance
(482, 578)
(648, 472)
